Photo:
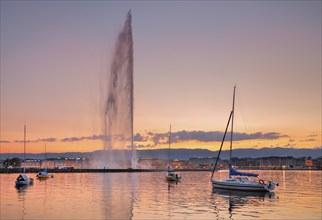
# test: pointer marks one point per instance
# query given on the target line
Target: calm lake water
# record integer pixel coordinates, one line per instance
(148, 196)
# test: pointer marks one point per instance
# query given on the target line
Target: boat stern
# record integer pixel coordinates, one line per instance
(270, 186)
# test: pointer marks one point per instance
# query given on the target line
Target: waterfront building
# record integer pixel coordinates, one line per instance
(201, 162)
(308, 162)
(246, 162)
(277, 162)
(150, 163)
(318, 162)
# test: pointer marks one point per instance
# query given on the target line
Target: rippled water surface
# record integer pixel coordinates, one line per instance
(148, 196)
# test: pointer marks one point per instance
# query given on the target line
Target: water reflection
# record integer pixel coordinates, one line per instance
(284, 179)
(238, 201)
(147, 196)
(117, 202)
(133, 192)
(22, 191)
(171, 186)
(45, 198)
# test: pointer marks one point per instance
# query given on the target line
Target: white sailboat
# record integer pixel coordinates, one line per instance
(171, 175)
(241, 182)
(23, 179)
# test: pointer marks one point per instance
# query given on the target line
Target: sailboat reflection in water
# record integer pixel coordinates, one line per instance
(241, 182)
(238, 199)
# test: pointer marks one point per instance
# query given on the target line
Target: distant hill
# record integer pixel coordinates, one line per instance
(185, 154)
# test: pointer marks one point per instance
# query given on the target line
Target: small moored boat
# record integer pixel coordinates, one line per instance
(23, 180)
(43, 175)
(171, 175)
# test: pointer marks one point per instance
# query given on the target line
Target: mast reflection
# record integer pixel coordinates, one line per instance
(22, 190)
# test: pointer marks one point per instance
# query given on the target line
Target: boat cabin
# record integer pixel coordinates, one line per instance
(22, 177)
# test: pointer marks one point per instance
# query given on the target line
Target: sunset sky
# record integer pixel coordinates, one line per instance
(55, 56)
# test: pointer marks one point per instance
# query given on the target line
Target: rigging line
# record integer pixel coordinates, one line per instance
(169, 147)
(242, 112)
(243, 117)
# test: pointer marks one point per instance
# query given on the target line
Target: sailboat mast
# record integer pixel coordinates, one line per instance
(231, 117)
(24, 143)
(232, 125)
(222, 143)
(169, 145)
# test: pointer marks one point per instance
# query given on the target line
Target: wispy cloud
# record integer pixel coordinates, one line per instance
(20, 141)
(312, 135)
(72, 139)
(139, 137)
(151, 139)
(4, 141)
(208, 136)
(308, 140)
(50, 139)
(92, 137)
(142, 146)
(289, 145)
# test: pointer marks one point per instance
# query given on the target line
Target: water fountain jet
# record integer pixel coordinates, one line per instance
(119, 151)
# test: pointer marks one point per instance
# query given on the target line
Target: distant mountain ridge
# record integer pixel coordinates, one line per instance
(185, 154)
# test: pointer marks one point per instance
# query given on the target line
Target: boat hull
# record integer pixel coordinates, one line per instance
(43, 177)
(242, 187)
(170, 178)
(23, 180)
(23, 183)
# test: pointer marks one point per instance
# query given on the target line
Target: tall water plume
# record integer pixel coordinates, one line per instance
(118, 104)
